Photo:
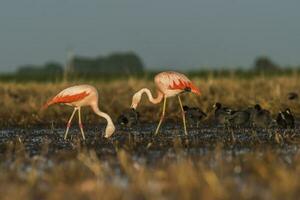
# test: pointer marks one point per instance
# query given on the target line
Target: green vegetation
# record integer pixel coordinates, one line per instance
(114, 66)
(21, 102)
(37, 164)
(121, 66)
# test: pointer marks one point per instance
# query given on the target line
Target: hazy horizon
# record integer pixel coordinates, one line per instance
(165, 34)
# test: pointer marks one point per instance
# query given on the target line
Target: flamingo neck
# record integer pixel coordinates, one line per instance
(110, 127)
(137, 97)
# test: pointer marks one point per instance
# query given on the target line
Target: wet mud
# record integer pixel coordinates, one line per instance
(141, 142)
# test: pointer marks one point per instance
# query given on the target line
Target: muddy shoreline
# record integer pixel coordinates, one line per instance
(141, 141)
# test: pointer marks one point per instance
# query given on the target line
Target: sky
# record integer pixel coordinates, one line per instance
(166, 34)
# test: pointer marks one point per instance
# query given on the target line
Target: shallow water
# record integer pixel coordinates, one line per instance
(42, 149)
(141, 141)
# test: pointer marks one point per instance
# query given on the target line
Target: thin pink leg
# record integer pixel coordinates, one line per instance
(69, 123)
(183, 115)
(162, 115)
(80, 124)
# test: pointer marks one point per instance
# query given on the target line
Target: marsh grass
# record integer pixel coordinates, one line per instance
(265, 171)
(85, 175)
(22, 102)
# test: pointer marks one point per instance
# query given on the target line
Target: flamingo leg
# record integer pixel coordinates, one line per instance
(69, 123)
(80, 124)
(162, 115)
(183, 115)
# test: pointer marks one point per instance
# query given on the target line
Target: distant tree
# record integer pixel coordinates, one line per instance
(48, 71)
(114, 64)
(264, 63)
(53, 68)
(117, 63)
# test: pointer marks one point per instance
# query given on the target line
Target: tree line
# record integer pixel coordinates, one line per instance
(120, 65)
(114, 64)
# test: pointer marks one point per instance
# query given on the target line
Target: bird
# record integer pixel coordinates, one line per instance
(293, 96)
(168, 84)
(285, 119)
(222, 113)
(261, 117)
(240, 117)
(194, 114)
(80, 96)
(129, 117)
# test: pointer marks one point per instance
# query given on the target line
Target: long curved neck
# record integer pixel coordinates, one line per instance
(137, 97)
(110, 124)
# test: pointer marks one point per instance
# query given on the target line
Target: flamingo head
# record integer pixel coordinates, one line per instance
(136, 100)
(110, 129)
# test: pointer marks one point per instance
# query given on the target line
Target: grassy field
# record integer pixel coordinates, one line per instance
(123, 168)
(22, 102)
(83, 175)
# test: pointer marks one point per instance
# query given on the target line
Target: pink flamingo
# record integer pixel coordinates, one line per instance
(168, 84)
(78, 96)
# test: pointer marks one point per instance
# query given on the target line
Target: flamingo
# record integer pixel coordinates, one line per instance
(78, 96)
(168, 84)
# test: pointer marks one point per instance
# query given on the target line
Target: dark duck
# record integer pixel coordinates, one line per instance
(285, 119)
(293, 96)
(222, 114)
(240, 118)
(261, 118)
(129, 118)
(194, 115)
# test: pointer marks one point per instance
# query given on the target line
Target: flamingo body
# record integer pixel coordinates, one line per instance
(76, 96)
(173, 83)
(168, 84)
(79, 96)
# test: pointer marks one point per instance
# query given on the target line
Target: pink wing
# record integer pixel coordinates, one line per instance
(181, 82)
(67, 99)
(69, 95)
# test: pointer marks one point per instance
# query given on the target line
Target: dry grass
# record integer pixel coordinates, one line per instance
(213, 176)
(81, 174)
(21, 103)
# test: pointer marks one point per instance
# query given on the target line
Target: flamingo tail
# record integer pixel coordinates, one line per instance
(195, 89)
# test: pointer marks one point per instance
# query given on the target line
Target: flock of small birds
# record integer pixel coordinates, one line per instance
(169, 84)
(223, 116)
(255, 116)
